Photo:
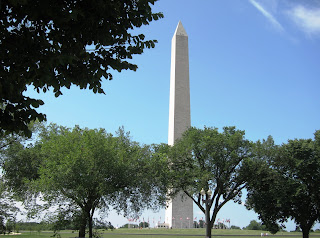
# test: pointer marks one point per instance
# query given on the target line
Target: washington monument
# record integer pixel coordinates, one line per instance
(179, 211)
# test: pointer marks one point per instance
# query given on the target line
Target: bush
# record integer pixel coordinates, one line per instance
(235, 227)
(254, 225)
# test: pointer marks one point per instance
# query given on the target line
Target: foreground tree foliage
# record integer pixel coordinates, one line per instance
(55, 44)
(83, 170)
(8, 207)
(288, 184)
(208, 159)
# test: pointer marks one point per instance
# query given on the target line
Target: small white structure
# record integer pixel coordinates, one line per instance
(163, 225)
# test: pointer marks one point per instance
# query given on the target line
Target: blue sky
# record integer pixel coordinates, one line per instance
(254, 64)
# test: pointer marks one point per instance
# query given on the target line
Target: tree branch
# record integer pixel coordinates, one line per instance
(196, 202)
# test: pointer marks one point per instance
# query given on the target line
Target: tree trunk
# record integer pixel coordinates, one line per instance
(208, 230)
(305, 230)
(90, 226)
(82, 229)
(208, 223)
(305, 233)
(83, 224)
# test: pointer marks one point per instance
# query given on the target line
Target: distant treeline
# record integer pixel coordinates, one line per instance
(31, 226)
(42, 226)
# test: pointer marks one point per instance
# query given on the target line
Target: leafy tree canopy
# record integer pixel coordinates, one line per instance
(82, 170)
(288, 184)
(8, 208)
(144, 224)
(254, 225)
(208, 159)
(235, 227)
(54, 44)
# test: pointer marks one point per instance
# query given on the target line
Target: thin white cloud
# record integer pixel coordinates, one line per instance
(307, 19)
(267, 14)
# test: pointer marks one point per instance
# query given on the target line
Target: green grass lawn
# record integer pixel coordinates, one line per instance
(162, 233)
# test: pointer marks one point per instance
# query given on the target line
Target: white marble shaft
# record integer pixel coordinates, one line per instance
(179, 211)
(179, 106)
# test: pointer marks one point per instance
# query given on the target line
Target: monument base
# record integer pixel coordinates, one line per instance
(179, 212)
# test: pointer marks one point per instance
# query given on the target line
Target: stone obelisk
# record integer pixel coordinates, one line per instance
(179, 211)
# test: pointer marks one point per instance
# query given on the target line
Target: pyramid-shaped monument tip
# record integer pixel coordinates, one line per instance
(180, 30)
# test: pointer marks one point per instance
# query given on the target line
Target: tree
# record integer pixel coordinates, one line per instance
(201, 223)
(100, 224)
(55, 44)
(8, 209)
(235, 227)
(207, 159)
(195, 224)
(220, 225)
(254, 225)
(86, 170)
(289, 183)
(144, 224)
(10, 225)
(21, 167)
(128, 225)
